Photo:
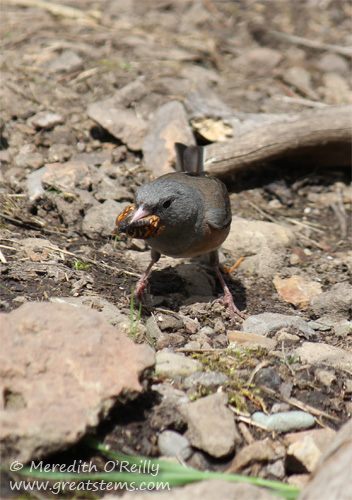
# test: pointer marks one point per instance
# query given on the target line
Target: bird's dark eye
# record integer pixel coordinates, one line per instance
(166, 204)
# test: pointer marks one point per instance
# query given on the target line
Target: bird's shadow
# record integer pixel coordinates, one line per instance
(173, 289)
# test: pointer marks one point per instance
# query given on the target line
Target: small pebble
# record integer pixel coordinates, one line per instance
(285, 422)
(207, 330)
(287, 336)
(153, 331)
(174, 444)
(267, 377)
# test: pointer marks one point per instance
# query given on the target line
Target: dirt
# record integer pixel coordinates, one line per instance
(134, 40)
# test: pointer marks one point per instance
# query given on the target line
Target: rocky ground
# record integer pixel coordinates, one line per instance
(92, 100)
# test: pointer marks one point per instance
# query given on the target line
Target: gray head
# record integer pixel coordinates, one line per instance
(175, 202)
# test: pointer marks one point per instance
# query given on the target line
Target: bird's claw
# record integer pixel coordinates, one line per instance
(227, 300)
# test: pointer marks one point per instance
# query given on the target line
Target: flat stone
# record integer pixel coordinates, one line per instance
(211, 425)
(46, 119)
(63, 369)
(170, 364)
(306, 447)
(251, 340)
(67, 176)
(265, 450)
(100, 220)
(338, 300)
(123, 123)
(332, 476)
(285, 422)
(270, 323)
(174, 444)
(297, 290)
(326, 355)
(168, 125)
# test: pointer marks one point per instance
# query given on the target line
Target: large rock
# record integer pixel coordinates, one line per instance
(332, 478)
(269, 323)
(67, 176)
(100, 220)
(211, 425)
(169, 125)
(62, 369)
(118, 116)
(262, 244)
(337, 300)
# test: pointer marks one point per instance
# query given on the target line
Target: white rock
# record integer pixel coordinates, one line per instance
(261, 242)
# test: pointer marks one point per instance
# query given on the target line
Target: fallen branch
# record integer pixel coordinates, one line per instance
(311, 133)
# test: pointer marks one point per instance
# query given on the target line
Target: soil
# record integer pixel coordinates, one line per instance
(113, 54)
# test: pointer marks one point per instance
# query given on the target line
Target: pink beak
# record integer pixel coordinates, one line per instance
(139, 214)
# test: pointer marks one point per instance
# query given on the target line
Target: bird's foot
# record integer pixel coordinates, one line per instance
(227, 300)
(139, 292)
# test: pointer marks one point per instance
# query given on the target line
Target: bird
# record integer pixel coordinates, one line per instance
(183, 214)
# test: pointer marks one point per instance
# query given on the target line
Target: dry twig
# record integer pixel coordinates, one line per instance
(299, 404)
(313, 44)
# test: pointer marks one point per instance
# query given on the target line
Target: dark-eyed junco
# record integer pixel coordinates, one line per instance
(183, 214)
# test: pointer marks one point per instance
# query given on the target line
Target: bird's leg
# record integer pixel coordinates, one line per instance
(143, 280)
(227, 299)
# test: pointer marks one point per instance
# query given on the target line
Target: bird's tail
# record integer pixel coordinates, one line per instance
(189, 158)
